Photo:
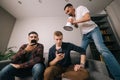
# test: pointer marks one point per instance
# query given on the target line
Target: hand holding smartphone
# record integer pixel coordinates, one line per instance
(60, 51)
(33, 42)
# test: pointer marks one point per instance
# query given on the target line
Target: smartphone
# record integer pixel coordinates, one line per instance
(60, 51)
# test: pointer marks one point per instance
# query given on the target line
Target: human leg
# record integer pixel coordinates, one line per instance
(85, 40)
(8, 73)
(37, 71)
(108, 57)
(51, 72)
(84, 43)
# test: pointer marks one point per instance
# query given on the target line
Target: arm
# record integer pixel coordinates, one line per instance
(82, 63)
(85, 18)
(53, 57)
(83, 59)
(82, 15)
(53, 62)
(82, 56)
(77, 49)
(17, 57)
(56, 59)
(37, 56)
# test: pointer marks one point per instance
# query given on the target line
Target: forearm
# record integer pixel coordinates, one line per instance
(53, 62)
(18, 56)
(31, 62)
(83, 59)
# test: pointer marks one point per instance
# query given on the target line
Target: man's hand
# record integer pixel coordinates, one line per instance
(17, 66)
(59, 56)
(77, 67)
(29, 47)
(72, 21)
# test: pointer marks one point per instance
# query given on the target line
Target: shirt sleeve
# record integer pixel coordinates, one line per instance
(85, 10)
(77, 49)
(51, 55)
(36, 58)
(82, 10)
(19, 55)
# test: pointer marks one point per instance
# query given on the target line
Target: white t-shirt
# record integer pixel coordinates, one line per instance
(85, 26)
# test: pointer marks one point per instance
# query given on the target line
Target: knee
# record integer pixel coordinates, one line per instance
(102, 49)
(6, 70)
(83, 74)
(2, 73)
(48, 70)
(38, 68)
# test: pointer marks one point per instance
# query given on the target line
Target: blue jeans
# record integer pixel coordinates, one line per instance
(108, 57)
(9, 72)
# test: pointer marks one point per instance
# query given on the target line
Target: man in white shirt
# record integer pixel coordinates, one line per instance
(90, 30)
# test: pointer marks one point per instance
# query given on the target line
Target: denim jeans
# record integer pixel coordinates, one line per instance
(9, 72)
(110, 61)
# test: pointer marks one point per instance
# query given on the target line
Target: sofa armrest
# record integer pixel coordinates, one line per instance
(91, 65)
(99, 66)
(4, 63)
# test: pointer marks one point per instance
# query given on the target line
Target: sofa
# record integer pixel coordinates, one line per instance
(97, 69)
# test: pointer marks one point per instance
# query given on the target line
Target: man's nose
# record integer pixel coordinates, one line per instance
(59, 40)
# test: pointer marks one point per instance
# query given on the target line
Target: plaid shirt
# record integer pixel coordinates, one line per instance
(35, 56)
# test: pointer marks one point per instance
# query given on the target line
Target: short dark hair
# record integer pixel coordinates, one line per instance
(32, 32)
(58, 33)
(68, 5)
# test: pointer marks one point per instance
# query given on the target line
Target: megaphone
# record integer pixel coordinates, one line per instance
(68, 26)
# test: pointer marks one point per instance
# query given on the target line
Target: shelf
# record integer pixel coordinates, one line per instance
(106, 42)
(104, 28)
(115, 51)
(98, 17)
(108, 36)
(100, 22)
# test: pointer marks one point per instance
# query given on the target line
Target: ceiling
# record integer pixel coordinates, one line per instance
(48, 8)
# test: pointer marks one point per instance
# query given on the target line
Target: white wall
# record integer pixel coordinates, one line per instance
(45, 27)
(114, 13)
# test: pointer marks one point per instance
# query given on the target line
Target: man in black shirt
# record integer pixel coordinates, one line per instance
(59, 60)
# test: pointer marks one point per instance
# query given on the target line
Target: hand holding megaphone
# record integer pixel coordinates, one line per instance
(70, 19)
(69, 25)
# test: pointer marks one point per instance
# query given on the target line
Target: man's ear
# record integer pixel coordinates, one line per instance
(29, 40)
(38, 39)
